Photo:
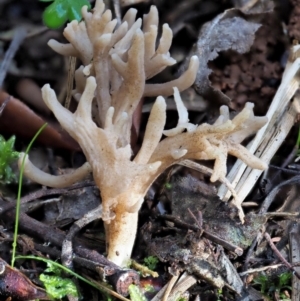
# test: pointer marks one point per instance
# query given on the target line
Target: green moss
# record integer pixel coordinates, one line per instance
(7, 156)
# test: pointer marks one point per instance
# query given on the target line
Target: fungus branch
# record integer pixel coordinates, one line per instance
(117, 61)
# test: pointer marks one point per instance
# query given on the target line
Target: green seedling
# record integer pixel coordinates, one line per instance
(268, 286)
(7, 156)
(219, 294)
(151, 262)
(168, 185)
(14, 245)
(61, 11)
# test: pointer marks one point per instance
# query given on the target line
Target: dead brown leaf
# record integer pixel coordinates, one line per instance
(18, 119)
(230, 30)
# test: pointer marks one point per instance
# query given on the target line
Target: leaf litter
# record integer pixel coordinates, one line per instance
(230, 34)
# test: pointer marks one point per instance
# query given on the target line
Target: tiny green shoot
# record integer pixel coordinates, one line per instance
(219, 294)
(19, 195)
(61, 11)
(268, 286)
(151, 262)
(168, 185)
(7, 156)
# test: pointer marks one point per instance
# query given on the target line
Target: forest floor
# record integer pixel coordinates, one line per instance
(185, 229)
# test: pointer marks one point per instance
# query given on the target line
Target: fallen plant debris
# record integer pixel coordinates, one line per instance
(14, 285)
(225, 240)
(237, 34)
(16, 111)
(252, 76)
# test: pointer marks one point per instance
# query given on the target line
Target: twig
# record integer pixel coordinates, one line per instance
(119, 278)
(42, 193)
(294, 246)
(199, 222)
(18, 38)
(251, 250)
(269, 138)
(269, 199)
(169, 287)
(182, 285)
(281, 214)
(278, 254)
(251, 271)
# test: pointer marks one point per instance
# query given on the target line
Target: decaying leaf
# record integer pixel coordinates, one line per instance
(219, 218)
(228, 31)
(71, 207)
(18, 119)
(191, 251)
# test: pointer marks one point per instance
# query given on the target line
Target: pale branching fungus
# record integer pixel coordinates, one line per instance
(117, 61)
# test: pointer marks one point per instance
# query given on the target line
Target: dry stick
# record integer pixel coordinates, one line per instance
(18, 38)
(278, 254)
(7, 36)
(294, 247)
(244, 179)
(271, 196)
(169, 287)
(183, 284)
(80, 261)
(251, 271)
(251, 251)
(290, 170)
(44, 192)
(263, 209)
(198, 222)
(67, 246)
(119, 277)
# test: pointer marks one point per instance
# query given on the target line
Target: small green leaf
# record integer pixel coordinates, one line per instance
(55, 15)
(51, 268)
(151, 262)
(60, 11)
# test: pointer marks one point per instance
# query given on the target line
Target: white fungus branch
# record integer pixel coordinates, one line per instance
(118, 61)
